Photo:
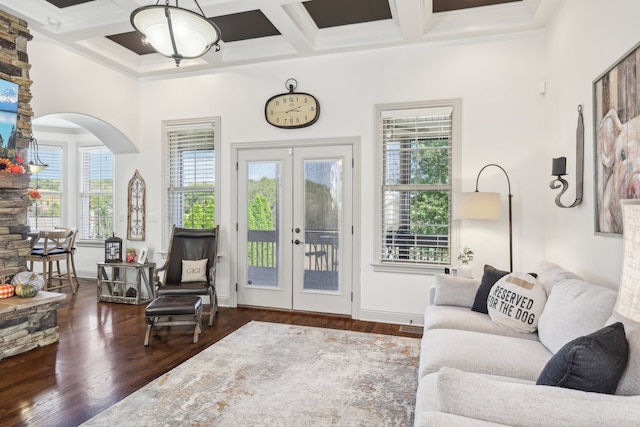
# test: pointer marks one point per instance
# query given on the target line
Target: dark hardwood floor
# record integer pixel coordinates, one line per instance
(101, 358)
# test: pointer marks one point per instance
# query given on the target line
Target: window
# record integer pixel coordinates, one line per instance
(191, 174)
(96, 193)
(416, 146)
(46, 211)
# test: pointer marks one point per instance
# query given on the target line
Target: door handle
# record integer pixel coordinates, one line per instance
(297, 241)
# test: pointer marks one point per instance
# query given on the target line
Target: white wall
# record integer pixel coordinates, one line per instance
(584, 40)
(497, 79)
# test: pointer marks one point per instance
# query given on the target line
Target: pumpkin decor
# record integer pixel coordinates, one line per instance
(26, 290)
(27, 284)
(6, 290)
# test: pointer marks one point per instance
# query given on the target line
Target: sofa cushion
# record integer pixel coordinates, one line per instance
(453, 290)
(481, 353)
(549, 274)
(574, 308)
(516, 301)
(591, 363)
(489, 278)
(471, 395)
(451, 317)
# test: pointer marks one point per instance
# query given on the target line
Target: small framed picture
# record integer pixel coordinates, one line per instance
(142, 258)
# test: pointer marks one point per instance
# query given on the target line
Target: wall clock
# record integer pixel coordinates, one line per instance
(136, 205)
(292, 110)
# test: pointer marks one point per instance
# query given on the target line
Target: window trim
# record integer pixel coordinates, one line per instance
(456, 130)
(43, 147)
(82, 241)
(168, 125)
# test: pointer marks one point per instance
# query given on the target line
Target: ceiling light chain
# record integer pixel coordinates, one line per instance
(176, 32)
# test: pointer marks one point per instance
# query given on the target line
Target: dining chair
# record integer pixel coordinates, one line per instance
(56, 246)
(72, 251)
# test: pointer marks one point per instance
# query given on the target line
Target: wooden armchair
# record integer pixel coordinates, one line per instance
(190, 268)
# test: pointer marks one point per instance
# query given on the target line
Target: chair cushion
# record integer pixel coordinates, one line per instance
(40, 252)
(174, 305)
(188, 288)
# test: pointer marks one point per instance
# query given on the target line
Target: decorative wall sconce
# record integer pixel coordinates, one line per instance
(559, 167)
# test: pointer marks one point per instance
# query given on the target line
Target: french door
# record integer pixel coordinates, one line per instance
(295, 228)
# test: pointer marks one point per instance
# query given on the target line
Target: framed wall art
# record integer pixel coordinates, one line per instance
(616, 120)
(8, 118)
(136, 214)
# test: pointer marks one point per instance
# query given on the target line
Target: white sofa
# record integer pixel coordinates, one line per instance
(474, 372)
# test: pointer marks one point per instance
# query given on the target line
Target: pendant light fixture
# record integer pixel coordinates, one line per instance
(35, 164)
(176, 32)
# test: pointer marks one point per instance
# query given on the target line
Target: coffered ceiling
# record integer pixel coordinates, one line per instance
(271, 30)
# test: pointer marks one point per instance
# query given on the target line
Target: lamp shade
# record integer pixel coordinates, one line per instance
(164, 25)
(628, 302)
(476, 205)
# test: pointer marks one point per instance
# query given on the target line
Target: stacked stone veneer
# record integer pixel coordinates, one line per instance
(14, 200)
(28, 323)
(25, 323)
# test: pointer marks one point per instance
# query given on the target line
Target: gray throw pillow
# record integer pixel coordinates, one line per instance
(592, 363)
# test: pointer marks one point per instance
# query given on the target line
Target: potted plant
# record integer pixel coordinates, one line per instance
(465, 257)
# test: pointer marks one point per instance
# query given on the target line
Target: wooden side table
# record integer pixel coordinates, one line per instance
(113, 282)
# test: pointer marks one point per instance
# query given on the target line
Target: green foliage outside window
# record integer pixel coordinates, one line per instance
(199, 210)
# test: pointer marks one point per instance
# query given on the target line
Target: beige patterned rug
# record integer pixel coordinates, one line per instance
(268, 374)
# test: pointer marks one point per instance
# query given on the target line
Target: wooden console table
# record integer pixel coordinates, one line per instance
(113, 282)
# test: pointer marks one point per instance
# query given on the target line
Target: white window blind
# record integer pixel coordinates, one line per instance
(191, 175)
(416, 152)
(96, 193)
(46, 212)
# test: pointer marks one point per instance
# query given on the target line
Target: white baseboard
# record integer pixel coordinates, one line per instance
(391, 317)
(366, 315)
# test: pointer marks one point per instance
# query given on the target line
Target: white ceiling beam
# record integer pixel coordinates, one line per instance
(408, 14)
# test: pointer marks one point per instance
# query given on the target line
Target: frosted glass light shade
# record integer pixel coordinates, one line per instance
(476, 205)
(193, 33)
(628, 302)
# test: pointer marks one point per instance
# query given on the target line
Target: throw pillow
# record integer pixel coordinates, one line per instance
(453, 290)
(593, 363)
(629, 384)
(194, 271)
(574, 308)
(489, 278)
(516, 301)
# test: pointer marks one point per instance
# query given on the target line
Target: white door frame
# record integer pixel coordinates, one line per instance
(355, 143)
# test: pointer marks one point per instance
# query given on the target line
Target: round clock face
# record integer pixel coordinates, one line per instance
(292, 110)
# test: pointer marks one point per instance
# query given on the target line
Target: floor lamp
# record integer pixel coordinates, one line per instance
(482, 205)
(628, 302)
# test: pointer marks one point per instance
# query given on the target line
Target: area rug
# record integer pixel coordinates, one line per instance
(268, 374)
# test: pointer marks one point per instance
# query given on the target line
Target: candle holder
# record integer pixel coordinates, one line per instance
(559, 168)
